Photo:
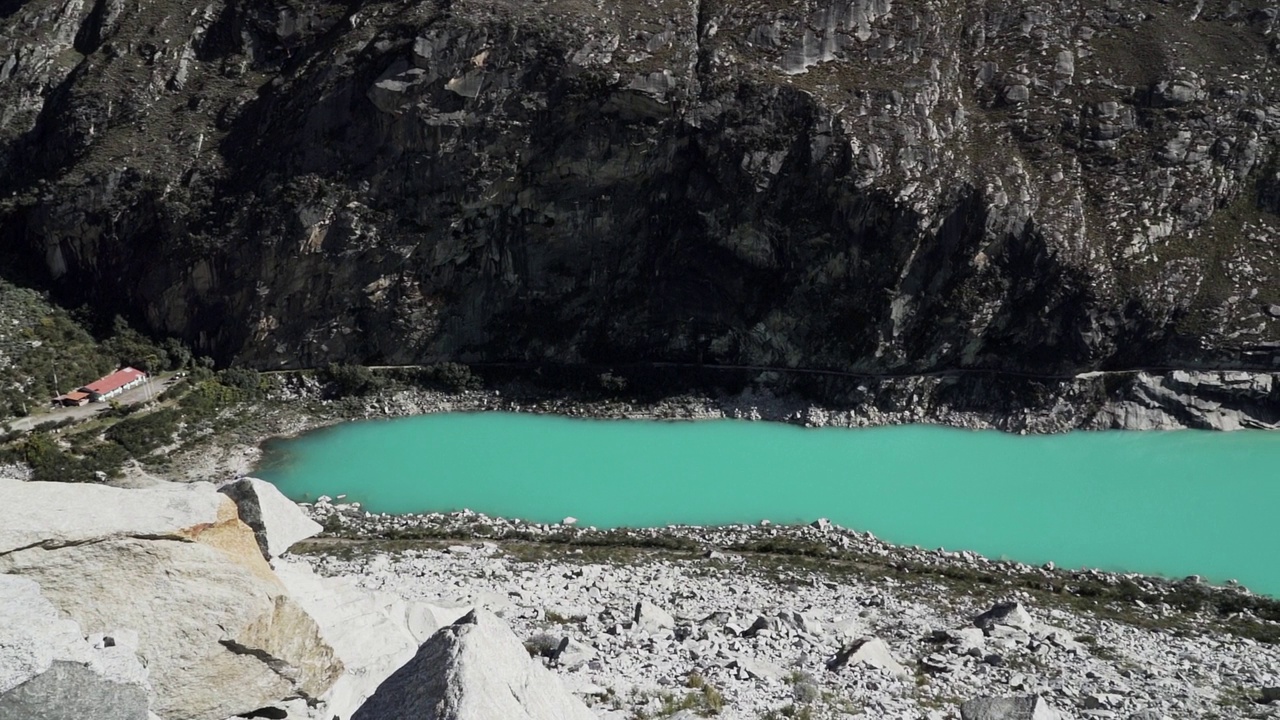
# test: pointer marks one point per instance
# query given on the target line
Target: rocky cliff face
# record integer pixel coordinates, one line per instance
(878, 186)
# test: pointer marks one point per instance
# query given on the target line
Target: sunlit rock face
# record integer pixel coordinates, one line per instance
(177, 570)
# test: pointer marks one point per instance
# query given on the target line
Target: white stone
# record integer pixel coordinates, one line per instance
(1008, 614)
(278, 523)
(651, 618)
(372, 633)
(805, 622)
(756, 668)
(871, 652)
(475, 669)
(58, 514)
(1031, 707)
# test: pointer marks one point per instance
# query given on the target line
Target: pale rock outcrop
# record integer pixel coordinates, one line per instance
(215, 627)
(870, 652)
(48, 671)
(474, 669)
(1008, 614)
(1031, 707)
(58, 514)
(276, 520)
(372, 633)
(651, 618)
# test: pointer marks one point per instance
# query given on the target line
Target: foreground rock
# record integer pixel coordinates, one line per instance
(372, 633)
(277, 524)
(474, 669)
(49, 672)
(174, 563)
(53, 515)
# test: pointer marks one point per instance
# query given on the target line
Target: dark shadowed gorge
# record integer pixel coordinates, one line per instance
(877, 186)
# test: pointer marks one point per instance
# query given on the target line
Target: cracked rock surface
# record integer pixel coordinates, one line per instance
(217, 631)
(50, 671)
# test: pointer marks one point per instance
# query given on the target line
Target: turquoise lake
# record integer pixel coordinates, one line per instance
(1171, 503)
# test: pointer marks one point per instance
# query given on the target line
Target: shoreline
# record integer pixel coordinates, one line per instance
(818, 542)
(247, 456)
(299, 402)
(771, 626)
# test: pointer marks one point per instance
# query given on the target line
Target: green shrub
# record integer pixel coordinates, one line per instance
(250, 383)
(49, 462)
(350, 380)
(333, 524)
(140, 435)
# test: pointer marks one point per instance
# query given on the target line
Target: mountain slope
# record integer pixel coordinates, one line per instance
(867, 186)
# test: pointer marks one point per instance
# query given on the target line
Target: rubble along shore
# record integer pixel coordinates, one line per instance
(301, 403)
(762, 612)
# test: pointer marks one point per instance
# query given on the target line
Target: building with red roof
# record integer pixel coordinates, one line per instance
(73, 398)
(114, 384)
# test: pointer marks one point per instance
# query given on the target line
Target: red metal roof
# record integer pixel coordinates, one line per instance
(114, 381)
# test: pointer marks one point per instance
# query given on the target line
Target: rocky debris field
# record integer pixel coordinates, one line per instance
(722, 621)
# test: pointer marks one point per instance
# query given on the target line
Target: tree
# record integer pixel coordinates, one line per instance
(347, 380)
(179, 354)
(452, 376)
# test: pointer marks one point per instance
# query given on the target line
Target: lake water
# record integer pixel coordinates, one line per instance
(1173, 503)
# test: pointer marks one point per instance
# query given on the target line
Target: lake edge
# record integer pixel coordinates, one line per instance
(1120, 568)
(821, 542)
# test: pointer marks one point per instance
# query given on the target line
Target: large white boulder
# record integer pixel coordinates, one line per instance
(49, 671)
(474, 669)
(372, 633)
(868, 652)
(215, 627)
(56, 514)
(277, 522)
(652, 619)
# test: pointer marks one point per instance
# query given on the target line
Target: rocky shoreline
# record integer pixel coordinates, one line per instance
(1212, 400)
(1220, 400)
(778, 619)
(814, 544)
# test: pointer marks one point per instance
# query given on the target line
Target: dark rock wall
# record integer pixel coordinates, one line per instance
(875, 186)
